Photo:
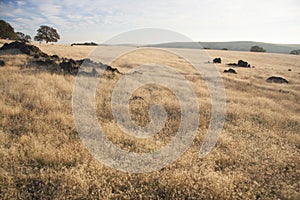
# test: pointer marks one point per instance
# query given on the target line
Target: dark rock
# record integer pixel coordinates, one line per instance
(136, 98)
(55, 57)
(134, 72)
(217, 60)
(111, 69)
(91, 73)
(242, 63)
(232, 71)
(232, 64)
(70, 66)
(275, 79)
(87, 64)
(24, 48)
(283, 91)
(47, 62)
(78, 62)
(289, 70)
(2, 63)
(87, 61)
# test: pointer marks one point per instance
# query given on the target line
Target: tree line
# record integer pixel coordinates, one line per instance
(44, 33)
(50, 34)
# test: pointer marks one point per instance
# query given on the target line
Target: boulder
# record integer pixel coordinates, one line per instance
(217, 60)
(242, 63)
(276, 79)
(2, 63)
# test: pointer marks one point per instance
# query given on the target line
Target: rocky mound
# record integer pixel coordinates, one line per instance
(276, 79)
(24, 48)
(54, 63)
(72, 67)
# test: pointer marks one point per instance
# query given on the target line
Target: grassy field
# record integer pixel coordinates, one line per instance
(256, 157)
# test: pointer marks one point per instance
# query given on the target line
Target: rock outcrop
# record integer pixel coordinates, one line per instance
(276, 79)
(24, 48)
(54, 63)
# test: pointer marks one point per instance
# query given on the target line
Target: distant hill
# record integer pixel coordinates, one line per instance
(235, 46)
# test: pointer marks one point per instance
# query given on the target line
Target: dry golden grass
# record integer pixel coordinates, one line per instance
(256, 157)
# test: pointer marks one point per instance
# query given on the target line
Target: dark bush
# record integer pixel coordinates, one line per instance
(86, 44)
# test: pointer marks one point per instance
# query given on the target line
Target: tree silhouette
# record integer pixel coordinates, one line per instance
(295, 52)
(257, 49)
(7, 31)
(22, 37)
(46, 33)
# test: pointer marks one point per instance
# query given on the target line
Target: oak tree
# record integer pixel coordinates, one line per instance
(46, 33)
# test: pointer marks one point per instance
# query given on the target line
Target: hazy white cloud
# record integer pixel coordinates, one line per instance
(205, 20)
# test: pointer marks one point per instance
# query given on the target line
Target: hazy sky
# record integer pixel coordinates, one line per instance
(276, 21)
